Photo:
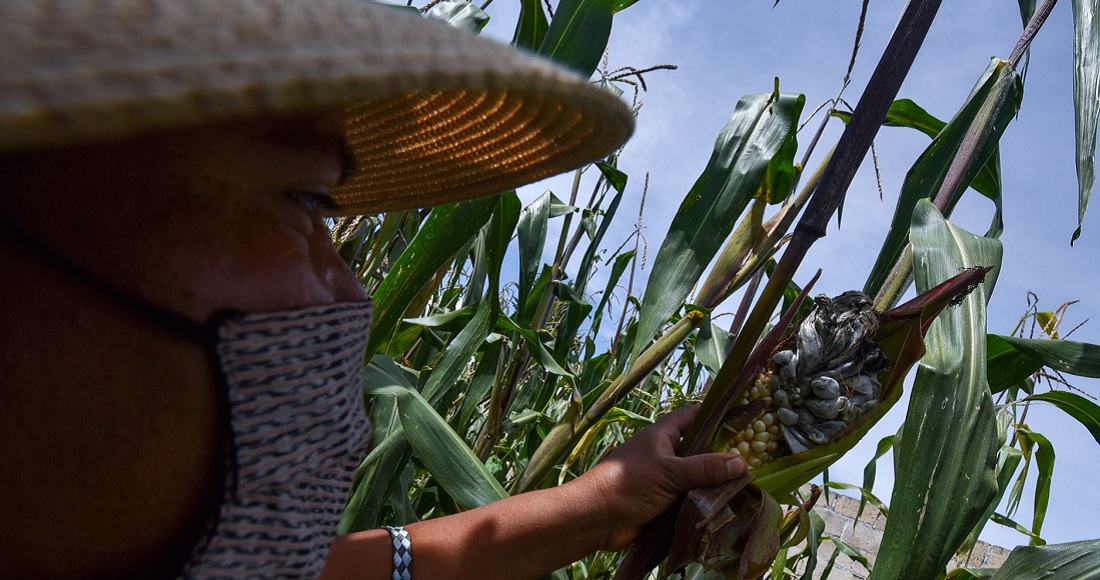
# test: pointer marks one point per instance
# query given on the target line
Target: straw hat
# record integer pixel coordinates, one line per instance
(436, 114)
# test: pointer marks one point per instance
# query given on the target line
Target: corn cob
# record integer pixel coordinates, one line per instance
(819, 381)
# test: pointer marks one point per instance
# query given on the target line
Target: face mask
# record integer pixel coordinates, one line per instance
(297, 426)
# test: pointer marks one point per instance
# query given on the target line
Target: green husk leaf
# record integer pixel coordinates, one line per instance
(1075, 358)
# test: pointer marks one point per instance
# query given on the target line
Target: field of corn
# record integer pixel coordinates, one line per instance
(488, 377)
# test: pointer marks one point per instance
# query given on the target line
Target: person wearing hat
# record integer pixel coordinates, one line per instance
(182, 346)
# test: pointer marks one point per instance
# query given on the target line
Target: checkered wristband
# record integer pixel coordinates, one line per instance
(402, 553)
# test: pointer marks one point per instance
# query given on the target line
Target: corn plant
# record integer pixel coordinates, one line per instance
(489, 375)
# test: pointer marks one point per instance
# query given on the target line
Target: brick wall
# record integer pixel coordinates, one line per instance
(865, 535)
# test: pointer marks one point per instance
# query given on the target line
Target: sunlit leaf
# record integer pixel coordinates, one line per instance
(1044, 459)
(531, 26)
(945, 458)
(1076, 406)
(1075, 358)
(1086, 98)
(990, 107)
(754, 134)
(439, 237)
(446, 456)
(1072, 561)
(578, 34)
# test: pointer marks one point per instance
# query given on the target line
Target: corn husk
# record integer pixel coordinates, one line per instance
(735, 527)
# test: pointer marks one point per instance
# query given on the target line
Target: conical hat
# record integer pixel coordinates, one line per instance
(435, 114)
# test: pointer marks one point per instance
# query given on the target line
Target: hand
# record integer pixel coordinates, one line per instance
(644, 477)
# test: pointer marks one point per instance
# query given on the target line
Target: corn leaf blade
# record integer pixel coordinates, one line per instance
(1076, 406)
(931, 170)
(446, 229)
(446, 456)
(945, 458)
(756, 131)
(1086, 98)
(578, 34)
(1071, 561)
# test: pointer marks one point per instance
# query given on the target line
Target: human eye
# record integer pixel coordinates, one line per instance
(312, 202)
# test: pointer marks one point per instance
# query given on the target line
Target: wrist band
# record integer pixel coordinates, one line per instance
(402, 553)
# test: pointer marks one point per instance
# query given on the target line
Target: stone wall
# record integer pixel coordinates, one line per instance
(865, 535)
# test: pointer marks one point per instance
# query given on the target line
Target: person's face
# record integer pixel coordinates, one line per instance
(198, 220)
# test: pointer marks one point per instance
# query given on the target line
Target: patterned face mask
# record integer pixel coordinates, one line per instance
(297, 430)
(298, 433)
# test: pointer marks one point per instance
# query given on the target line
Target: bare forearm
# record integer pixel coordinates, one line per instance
(525, 536)
(532, 534)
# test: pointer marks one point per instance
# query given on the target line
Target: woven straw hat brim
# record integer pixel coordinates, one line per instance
(435, 114)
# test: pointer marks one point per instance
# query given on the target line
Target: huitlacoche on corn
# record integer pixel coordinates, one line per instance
(819, 381)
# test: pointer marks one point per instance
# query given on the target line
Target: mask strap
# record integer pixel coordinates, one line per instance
(170, 321)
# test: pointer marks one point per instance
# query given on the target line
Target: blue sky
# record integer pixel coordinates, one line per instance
(728, 49)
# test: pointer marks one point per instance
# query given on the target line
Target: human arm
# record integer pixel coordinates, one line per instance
(532, 534)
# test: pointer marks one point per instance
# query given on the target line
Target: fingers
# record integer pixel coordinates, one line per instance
(672, 426)
(708, 469)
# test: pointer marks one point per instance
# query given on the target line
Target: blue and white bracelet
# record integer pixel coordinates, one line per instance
(402, 553)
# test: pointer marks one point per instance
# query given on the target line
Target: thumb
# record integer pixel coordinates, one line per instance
(708, 469)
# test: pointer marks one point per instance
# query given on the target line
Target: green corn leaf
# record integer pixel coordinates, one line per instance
(971, 573)
(1086, 98)
(711, 345)
(1044, 459)
(866, 497)
(1076, 358)
(481, 384)
(1008, 461)
(532, 241)
(1072, 561)
(499, 235)
(390, 452)
(531, 25)
(446, 229)
(445, 455)
(616, 178)
(578, 33)
(459, 351)
(1010, 523)
(538, 350)
(906, 113)
(618, 267)
(884, 445)
(990, 107)
(618, 5)
(754, 134)
(1076, 406)
(1006, 365)
(1027, 10)
(850, 551)
(945, 459)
